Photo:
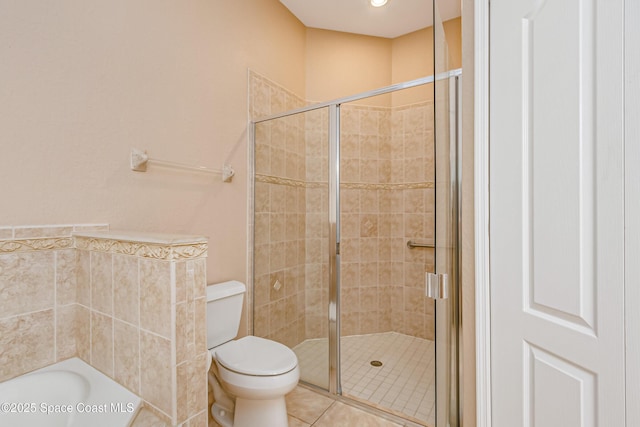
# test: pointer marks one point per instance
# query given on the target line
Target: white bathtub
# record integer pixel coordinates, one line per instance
(67, 394)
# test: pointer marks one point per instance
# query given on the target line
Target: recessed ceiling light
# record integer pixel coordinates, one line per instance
(378, 3)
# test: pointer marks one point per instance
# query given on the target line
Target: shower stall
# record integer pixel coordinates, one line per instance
(355, 244)
(355, 239)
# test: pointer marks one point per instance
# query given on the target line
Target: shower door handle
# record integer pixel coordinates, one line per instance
(437, 285)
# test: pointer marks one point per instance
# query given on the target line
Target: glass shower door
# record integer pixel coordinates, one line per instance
(386, 243)
(443, 285)
(291, 238)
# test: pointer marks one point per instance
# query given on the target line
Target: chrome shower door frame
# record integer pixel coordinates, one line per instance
(334, 249)
(448, 255)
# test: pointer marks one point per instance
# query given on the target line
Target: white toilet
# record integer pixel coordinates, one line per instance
(251, 375)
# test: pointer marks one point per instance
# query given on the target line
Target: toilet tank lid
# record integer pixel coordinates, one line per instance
(225, 289)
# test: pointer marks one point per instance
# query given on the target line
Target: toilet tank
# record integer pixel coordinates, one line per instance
(224, 309)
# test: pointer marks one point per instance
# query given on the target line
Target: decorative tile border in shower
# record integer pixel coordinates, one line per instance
(347, 185)
(268, 179)
(387, 186)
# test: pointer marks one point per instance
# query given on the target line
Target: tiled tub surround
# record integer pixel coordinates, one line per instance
(126, 303)
(38, 304)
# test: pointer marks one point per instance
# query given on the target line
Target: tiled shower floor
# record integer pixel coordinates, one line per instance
(404, 384)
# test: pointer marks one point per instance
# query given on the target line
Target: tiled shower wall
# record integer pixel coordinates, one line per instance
(366, 220)
(132, 308)
(387, 198)
(412, 157)
(280, 220)
(317, 229)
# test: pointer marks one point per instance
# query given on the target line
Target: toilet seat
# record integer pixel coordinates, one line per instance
(256, 356)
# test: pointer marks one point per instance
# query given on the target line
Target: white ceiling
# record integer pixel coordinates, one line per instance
(396, 18)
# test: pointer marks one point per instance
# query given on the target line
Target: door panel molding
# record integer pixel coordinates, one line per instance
(574, 382)
(558, 177)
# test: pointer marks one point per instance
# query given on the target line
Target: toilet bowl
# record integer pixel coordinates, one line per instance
(249, 376)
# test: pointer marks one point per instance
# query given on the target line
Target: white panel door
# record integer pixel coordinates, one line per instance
(557, 213)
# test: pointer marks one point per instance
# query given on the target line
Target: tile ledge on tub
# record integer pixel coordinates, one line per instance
(142, 237)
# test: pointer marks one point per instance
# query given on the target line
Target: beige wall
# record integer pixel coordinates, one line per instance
(412, 59)
(453, 34)
(83, 82)
(412, 55)
(342, 64)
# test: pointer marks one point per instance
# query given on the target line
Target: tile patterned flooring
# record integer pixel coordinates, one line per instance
(308, 408)
(305, 408)
(146, 418)
(403, 385)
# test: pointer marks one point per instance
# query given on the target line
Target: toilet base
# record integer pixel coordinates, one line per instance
(222, 416)
(252, 413)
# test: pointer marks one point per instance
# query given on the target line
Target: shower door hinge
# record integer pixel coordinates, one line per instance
(338, 248)
(436, 285)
